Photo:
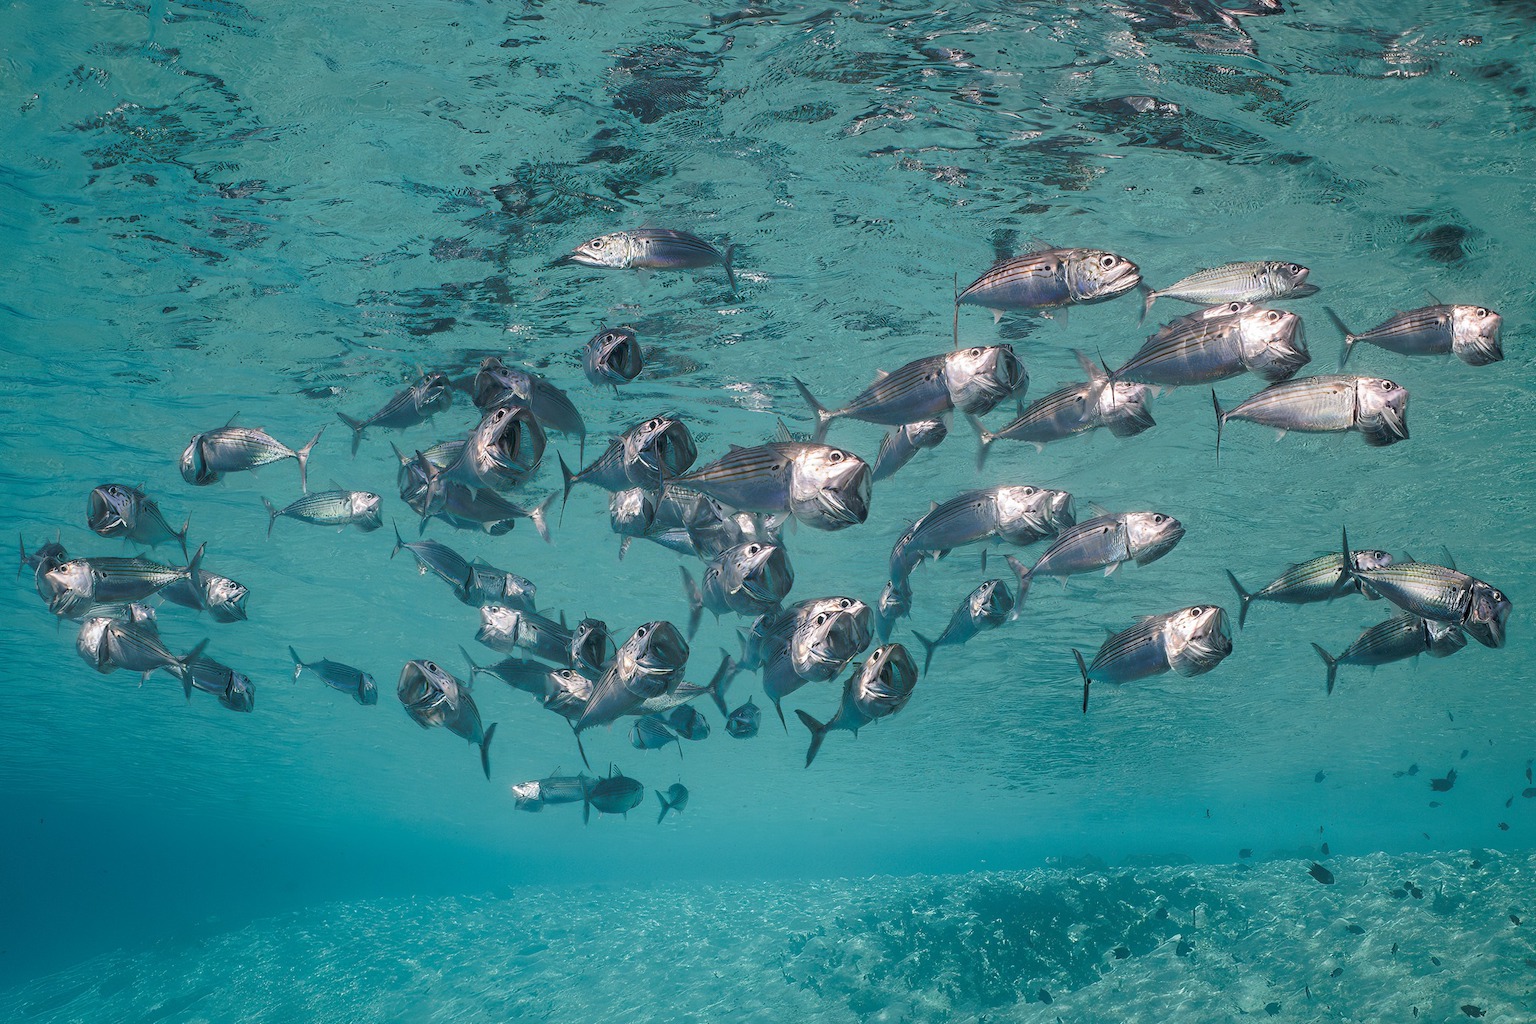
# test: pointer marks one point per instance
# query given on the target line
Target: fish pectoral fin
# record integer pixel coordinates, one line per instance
(1109, 570)
(1280, 433)
(997, 316)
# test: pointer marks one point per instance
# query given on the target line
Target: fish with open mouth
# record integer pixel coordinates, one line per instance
(823, 487)
(1374, 407)
(498, 384)
(901, 445)
(612, 357)
(877, 689)
(417, 404)
(231, 449)
(652, 249)
(639, 457)
(987, 607)
(648, 664)
(1398, 638)
(331, 508)
(118, 510)
(1049, 278)
(748, 579)
(1435, 592)
(1316, 579)
(432, 696)
(1190, 641)
(108, 645)
(1106, 541)
(1018, 514)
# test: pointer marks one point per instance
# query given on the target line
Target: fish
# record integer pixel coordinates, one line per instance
(1049, 278)
(616, 794)
(748, 579)
(1308, 582)
(71, 588)
(1018, 514)
(231, 449)
(972, 380)
(878, 688)
(649, 663)
(354, 682)
(591, 647)
(1438, 593)
(1470, 333)
(652, 733)
(432, 696)
(986, 607)
(1443, 785)
(417, 404)
(612, 357)
(632, 512)
(118, 510)
(1190, 641)
(108, 645)
(741, 724)
(823, 487)
(1220, 342)
(1398, 638)
(686, 721)
(233, 689)
(44, 559)
(1249, 281)
(1105, 542)
(442, 561)
(509, 630)
(639, 457)
(500, 453)
(653, 249)
(483, 509)
(331, 508)
(901, 445)
(1321, 873)
(1122, 407)
(895, 602)
(1375, 407)
(221, 597)
(555, 789)
(819, 645)
(675, 800)
(566, 693)
(518, 673)
(499, 384)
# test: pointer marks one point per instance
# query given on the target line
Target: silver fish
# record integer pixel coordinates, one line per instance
(501, 452)
(653, 249)
(1439, 593)
(1397, 639)
(675, 800)
(1317, 579)
(1251, 281)
(230, 449)
(742, 723)
(895, 602)
(331, 508)
(612, 357)
(44, 559)
(823, 487)
(1018, 514)
(433, 696)
(1470, 333)
(748, 579)
(1122, 407)
(416, 404)
(771, 631)
(652, 733)
(820, 646)
(639, 457)
(71, 588)
(591, 647)
(509, 630)
(221, 597)
(1190, 641)
(1105, 542)
(1375, 407)
(1048, 278)
(631, 512)
(566, 693)
(877, 689)
(233, 689)
(688, 723)
(986, 607)
(518, 673)
(353, 682)
(1220, 342)
(484, 510)
(649, 663)
(973, 380)
(499, 384)
(118, 510)
(111, 644)
(616, 794)
(899, 446)
(534, 795)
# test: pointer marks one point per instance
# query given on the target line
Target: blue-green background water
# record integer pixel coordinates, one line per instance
(209, 208)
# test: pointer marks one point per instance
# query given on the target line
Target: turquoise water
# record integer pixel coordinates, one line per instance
(213, 209)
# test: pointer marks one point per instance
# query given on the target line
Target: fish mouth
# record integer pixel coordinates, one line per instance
(106, 515)
(1164, 544)
(1131, 419)
(1301, 290)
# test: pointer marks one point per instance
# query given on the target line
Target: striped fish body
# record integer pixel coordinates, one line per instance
(1220, 342)
(1400, 637)
(209, 455)
(742, 723)
(497, 384)
(1311, 581)
(651, 733)
(1423, 589)
(118, 510)
(502, 451)
(110, 644)
(518, 673)
(917, 391)
(1052, 277)
(508, 630)
(986, 607)
(895, 602)
(1471, 333)
(612, 357)
(1060, 414)
(408, 408)
(1374, 407)
(1190, 641)
(221, 597)
(484, 509)
(71, 587)
(433, 696)
(332, 508)
(1250, 281)
(822, 486)
(490, 585)
(648, 664)
(440, 560)
(353, 682)
(899, 446)
(653, 249)
(1094, 544)
(1131, 654)
(233, 689)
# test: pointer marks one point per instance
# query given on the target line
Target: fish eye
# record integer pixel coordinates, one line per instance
(649, 425)
(1294, 268)
(975, 352)
(1497, 596)
(1387, 385)
(1029, 491)
(1233, 307)
(1108, 260)
(836, 456)
(1159, 517)
(753, 549)
(1273, 315)
(1481, 312)
(821, 619)
(431, 667)
(1195, 612)
(641, 632)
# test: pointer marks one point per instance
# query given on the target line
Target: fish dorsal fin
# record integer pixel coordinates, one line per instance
(882, 374)
(232, 420)
(1038, 245)
(1099, 510)
(783, 433)
(736, 447)
(932, 505)
(1433, 298)
(1095, 373)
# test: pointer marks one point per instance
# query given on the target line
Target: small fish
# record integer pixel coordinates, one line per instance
(616, 794)
(331, 508)
(535, 794)
(1220, 342)
(591, 647)
(986, 607)
(354, 682)
(1049, 278)
(509, 630)
(117, 510)
(652, 733)
(231, 449)
(1438, 593)
(900, 445)
(675, 800)
(1190, 641)
(484, 510)
(472, 583)
(518, 673)
(972, 380)
(1471, 333)
(1374, 407)
(649, 663)
(1321, 873)
(1307, 582)
(877, 689)
(1019, 514)
(1444, 785)
(108, 645)
(823, 487)
(1104, 542)
(742, 723)
(1472, 1011)
(417, 404)
(748, 579)
(1245, 853)
(1251, 281)
(1122, 407)
(1400, 637)
(233, 689)
(653, 249)
(686, 721)
(895, 602)
(639, 457)
(433, 696)
(221, 597)
(612, 357)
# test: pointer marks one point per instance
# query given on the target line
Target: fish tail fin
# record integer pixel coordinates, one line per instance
(624, 547)
(569, 480)
(183, 667)
(195, 568)
(695, 601)
(1243, 599)
(1331, 662)
(485, 750)
(1221, 420)
(730, 272)
(665, 807)
(1148, 296)
(984, 439)
(303, 457)
(273, 513)
(928, 646)
(1349, 336)
(823, 416)
(538, 516)
(724, 676)
(1026, 576)
(474, 669)
(1346, 565)
(1083, 668)
(22, 545)
(181, 538)
(818, 734)
(399, 540)
(298, 663)
(780, 709)
(357, 430)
